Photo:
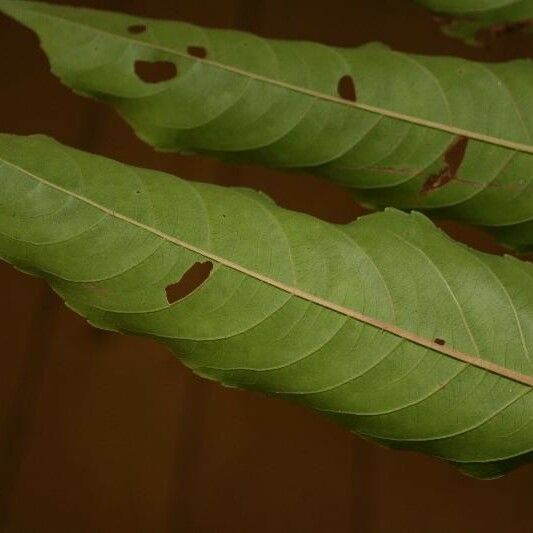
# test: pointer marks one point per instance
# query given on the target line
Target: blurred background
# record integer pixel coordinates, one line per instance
(105, 433)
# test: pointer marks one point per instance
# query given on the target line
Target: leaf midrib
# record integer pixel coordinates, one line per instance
(460, 132)
(463, 357)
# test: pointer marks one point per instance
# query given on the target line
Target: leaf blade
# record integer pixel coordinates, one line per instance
(258, 336)
(276, 103)
(470, 20)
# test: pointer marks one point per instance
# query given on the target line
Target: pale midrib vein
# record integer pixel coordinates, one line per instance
(489, 139)
(295, 291)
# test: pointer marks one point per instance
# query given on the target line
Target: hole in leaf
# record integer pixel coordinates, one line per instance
(453, 158)
(156, 71)
(440, 342)
(197, 51)
(190, 281)
(346, 88)
(137, 28)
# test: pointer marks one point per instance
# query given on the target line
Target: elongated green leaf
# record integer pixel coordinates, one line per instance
(385, 324)
(442, 134)
(472, 20)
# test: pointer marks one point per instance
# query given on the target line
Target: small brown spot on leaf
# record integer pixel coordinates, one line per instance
(197, 51)
(509, 28)
(453, 158)
(137, 28)
(155, 71)
(97, 289)
(346, 88)
(190, 281)
(440, 342)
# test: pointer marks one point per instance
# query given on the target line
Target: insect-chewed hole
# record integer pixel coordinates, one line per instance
(453, 159)
(155, 71)
(137, 28)
(346, 88)
(440, 342)
(196, 276)
(197, 51)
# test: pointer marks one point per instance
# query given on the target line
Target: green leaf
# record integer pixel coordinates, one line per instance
(475, 21)
(445, 135)
(385, 325)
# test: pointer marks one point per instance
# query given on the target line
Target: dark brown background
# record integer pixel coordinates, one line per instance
(103, 433)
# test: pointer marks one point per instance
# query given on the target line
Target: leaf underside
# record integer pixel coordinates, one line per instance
(479, 21)
(272, 314)
(445, 135)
